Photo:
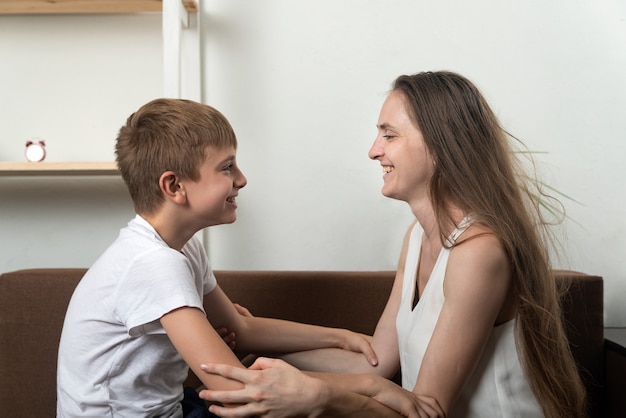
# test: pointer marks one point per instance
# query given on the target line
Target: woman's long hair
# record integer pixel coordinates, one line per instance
(477, 170)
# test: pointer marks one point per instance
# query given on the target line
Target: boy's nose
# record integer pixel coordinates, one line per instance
(241, 181)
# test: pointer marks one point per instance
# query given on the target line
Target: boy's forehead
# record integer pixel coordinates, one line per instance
(220, 152)
(220, 148)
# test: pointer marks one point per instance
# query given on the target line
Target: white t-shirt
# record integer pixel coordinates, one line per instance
(115, 358)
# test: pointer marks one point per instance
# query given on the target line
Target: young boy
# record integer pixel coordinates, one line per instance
(136, 319)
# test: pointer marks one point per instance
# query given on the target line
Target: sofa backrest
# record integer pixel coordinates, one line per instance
(32, 309)
(33, 304)
(583, 309)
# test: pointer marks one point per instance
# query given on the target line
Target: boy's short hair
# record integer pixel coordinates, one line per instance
(163, 135)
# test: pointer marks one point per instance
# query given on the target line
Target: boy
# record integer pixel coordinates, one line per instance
(136, 319)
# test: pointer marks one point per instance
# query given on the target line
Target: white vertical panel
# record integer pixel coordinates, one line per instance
(191, 81)
(171, 47)
(181, 52)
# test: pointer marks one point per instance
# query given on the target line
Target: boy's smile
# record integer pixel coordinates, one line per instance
(231, 200)
(213, 197)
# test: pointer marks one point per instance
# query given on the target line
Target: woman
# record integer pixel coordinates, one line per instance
(473, 318)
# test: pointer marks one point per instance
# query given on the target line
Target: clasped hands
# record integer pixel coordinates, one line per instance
(275, 389)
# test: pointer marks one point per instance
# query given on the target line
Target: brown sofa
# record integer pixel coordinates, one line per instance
(33, 304)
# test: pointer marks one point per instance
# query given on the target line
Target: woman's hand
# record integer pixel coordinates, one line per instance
(273, 389)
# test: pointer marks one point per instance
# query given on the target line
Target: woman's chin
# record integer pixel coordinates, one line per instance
(387, 192)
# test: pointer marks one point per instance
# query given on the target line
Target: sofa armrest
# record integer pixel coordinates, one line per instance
(615, 371)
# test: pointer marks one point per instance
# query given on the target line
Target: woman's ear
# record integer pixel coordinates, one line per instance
(172, 189)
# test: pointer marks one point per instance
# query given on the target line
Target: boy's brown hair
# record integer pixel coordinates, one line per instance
(164, 135)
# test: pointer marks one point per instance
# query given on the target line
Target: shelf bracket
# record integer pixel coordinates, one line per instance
(181, 51)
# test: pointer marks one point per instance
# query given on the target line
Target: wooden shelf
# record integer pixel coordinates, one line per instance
(92, 168)
(87, 6)
(191, 5)
(186, 13)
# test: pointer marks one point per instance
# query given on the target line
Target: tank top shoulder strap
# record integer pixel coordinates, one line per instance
(465, 223)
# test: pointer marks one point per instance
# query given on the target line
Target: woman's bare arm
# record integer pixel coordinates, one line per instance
(477, 282)
(384, 340)
(275, 389)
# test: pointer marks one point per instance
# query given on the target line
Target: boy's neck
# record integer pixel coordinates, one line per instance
(171, 232)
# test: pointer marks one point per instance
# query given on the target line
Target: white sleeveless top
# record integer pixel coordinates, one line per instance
(498, 386)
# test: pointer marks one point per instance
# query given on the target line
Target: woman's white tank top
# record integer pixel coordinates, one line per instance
(498, 387)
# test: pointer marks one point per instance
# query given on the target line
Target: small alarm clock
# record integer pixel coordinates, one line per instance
(35, 151)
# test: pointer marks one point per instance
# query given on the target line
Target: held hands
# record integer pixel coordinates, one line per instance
(273, 389)
(404, 402)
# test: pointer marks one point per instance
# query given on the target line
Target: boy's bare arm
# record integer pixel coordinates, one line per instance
(197, 342)
(267, 335)
(195, 338)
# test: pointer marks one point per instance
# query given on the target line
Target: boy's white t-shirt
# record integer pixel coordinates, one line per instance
(115, 358)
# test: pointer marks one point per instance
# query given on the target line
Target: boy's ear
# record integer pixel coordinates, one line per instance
(171, 187)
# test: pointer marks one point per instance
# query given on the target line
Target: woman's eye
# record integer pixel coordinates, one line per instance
(228, 167)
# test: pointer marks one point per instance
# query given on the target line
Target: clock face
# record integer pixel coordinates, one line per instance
(35, 152)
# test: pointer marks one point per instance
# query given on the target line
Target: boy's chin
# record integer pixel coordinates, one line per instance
(224, 221)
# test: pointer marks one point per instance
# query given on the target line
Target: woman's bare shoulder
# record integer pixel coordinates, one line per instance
(480, 253)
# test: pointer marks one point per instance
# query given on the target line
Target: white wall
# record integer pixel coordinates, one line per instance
(302, 83)
(73, 81)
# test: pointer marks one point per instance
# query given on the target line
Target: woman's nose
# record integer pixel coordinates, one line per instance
(376, 150)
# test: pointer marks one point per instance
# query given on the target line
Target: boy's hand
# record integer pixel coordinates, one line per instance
(243, 311)
(360, 343)
(229, 337)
